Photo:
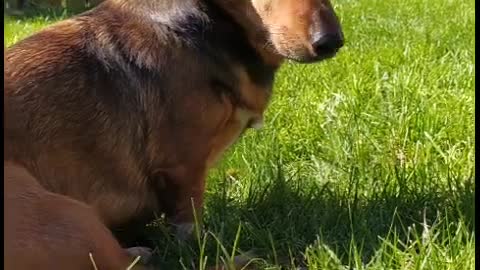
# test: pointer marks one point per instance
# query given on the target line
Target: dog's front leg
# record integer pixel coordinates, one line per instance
(187, 185)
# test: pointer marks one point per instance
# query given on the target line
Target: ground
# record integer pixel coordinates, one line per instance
(366, 161)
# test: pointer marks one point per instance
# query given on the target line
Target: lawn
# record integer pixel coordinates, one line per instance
(366, 161)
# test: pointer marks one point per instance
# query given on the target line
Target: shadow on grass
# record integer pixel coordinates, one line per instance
(281, 220)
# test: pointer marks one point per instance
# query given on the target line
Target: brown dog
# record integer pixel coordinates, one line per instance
(126, 106)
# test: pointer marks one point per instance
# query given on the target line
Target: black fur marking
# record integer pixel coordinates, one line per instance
(222, 39)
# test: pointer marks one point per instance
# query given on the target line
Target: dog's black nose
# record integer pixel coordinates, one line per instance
(327, 44)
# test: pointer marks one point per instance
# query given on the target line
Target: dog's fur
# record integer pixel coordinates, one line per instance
(126, 106)
(45, 230)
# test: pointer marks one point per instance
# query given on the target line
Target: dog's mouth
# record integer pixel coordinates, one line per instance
(320, 57)
(309, 59)
(325, 47)
(305, 53)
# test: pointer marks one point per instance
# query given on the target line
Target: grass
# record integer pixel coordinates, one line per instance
(366, 160)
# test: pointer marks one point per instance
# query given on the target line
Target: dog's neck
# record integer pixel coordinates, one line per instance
(170, 11)
(161, 11)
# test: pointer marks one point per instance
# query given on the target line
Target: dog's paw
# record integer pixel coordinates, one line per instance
(239, 262)
(145, 253)
(184, 231)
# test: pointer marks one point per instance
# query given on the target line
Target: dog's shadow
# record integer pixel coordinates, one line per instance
(281, 220)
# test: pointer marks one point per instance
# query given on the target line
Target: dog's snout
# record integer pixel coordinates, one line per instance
(327, 44)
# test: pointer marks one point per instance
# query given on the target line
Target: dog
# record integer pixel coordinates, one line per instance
(125, 107)
(46, 230)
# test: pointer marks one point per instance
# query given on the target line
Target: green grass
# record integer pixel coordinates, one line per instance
(366, 160)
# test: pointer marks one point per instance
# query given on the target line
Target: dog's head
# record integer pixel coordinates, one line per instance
(301, 30)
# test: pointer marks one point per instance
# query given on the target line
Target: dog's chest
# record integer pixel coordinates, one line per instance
(241, 120)
(250, 103)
